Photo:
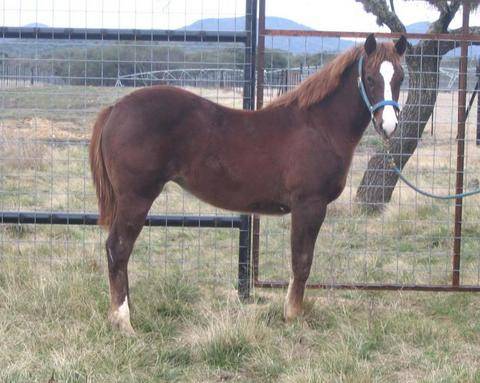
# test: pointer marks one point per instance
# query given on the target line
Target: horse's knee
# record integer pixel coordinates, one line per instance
(118, 251)
(123, 233)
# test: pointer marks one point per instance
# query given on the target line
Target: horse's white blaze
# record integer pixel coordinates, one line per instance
(389, 116)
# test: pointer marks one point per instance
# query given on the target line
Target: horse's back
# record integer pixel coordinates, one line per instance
(161, 106)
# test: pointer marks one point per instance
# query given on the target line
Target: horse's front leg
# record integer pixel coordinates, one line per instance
(307, 218)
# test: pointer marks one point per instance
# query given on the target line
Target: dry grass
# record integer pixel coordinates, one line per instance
(19, 152)
(190, 325)
(53, 321)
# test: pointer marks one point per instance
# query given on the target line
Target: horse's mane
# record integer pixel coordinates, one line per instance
(321, 84)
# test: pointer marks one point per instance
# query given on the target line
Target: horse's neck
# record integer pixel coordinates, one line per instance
(346, 109)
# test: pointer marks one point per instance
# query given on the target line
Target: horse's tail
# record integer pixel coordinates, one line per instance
(104, 189)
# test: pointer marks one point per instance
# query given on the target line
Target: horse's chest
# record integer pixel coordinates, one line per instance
(335, 188)
(330, 176)
(334, 182)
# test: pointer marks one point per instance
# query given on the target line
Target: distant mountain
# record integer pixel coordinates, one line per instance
(238, 24)
(420, 27)
(300, 45)
(36, 25)
(295, 45)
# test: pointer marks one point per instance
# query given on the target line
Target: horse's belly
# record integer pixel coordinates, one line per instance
(268, 207)
(244, 186)
(236, 197)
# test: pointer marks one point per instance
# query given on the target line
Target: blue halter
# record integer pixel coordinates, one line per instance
(363, 93)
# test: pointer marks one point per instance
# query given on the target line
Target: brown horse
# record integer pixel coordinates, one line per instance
(292, 156)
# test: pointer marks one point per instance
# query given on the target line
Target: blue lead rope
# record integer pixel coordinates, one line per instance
(391, 162)
(392, 165)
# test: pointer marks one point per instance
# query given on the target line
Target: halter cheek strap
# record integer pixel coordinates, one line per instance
(363, 93)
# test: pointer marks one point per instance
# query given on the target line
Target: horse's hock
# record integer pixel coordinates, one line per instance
(54, 80)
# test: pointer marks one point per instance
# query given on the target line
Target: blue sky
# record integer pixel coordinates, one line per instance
(344, 15)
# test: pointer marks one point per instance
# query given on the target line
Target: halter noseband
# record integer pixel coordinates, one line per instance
(378, 105)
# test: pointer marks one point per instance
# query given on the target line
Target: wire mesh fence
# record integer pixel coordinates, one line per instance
(57, 71)
(66, 62)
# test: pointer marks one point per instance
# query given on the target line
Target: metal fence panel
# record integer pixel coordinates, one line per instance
(53, 82)
(410, 244)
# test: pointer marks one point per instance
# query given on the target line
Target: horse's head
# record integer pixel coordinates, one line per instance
(380, 77)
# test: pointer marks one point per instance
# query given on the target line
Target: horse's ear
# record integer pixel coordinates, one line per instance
(370, 44)
(401, 45)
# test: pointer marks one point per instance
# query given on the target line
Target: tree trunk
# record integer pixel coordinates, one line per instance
(378, 181)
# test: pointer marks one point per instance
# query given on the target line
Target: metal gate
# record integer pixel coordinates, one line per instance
(43, 66)
(416, 243)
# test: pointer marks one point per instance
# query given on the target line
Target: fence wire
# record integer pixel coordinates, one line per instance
(50, 93)
(411, 240)
(51, 90)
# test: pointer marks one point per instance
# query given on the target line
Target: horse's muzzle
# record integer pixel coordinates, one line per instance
(385, 121)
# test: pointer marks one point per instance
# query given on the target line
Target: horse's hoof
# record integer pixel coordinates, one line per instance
(124, 328)
(121, 324)
(292, 312)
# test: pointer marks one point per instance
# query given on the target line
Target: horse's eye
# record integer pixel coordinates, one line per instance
(369, 80)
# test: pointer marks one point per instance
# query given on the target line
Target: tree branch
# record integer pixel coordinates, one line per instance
(384, 15)
(441, 5)
(392, 7)
(447, 13)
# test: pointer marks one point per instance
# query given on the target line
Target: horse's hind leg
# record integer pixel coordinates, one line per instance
(129, 219)
(307, 218)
